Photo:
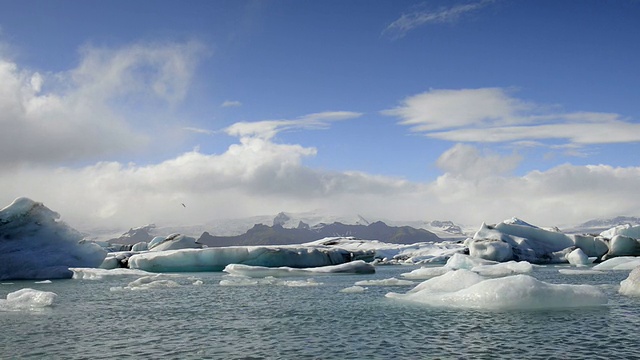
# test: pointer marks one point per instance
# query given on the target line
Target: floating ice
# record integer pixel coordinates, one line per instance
(44, 282)
(577, 257)
(621, 245)
(35, 245)
(354, 267)
(216, 259)
(172, 242)
(149, 282)
(517, 292)
(460, 261)
(514, 239)
(99, 274)
(384, 282)
(354, 289)
(269, 280)
(631, 285)
(626, 230)
(619, 263)
(426, 272)
(27, 299)
(419, 253)
(504, 269)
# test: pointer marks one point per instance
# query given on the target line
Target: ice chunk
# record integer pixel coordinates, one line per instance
(460, 261)
(149, 282)
(27, 299)
(449, 282)
(216, 259)
(270, 280)
(517, 292)
(626, 230)
(504, 269)
(35, 245)
(577, 257)
(44, 282)
(426, 272)
(384, 282)
(354, 267)
(354, 289)
(173, 242)
(621, 245)
(99, 274)
(631, 285)
(619, 263)
(490, 249)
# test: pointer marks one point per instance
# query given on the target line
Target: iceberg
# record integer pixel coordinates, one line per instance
(354, 289)
(99, 274)
(35, 245)
(426, 272)
(619, 263)
(631, 285)
(353, 267)
(515, 239)
(27, 299)
(171, 242)
(477, 265)
(156, 281)
(216, 259)
(387, 253)
(465, 289)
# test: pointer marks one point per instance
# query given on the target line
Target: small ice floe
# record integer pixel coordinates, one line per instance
(27, 299)
(631, 285)
(385, 282)
(354, 289)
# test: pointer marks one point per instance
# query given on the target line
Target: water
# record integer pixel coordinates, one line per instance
(89, 321)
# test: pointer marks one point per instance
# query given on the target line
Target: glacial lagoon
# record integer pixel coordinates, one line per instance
(212, 315)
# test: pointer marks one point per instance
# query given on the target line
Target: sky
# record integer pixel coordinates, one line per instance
(115, 113)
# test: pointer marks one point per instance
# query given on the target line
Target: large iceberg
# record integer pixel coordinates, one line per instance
(631, 285)
(35, 245)
(515, 239)
(468, 290)
(216, 259)
(353, 267)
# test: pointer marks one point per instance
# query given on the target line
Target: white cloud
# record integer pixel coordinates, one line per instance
(467, 161)
(491, 115)
(267, 129)
(80, 114)
(231, 103)
(417, 18)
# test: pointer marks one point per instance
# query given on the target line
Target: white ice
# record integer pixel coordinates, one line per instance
(172, 242)
(354, 289)
(577, 257)
(27, 299)
(35, 245)
(418, 253)
(216, 259)
(384, 282)
(426, 272)
(480, 266)
(631, 285)
(99, 274)
(468, 290)
(149, 282)
(619, 263)
(353, 267)
(270, 280)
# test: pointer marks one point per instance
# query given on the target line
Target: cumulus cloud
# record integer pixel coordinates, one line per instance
(420, 17)
(492, 115)
(79, 115)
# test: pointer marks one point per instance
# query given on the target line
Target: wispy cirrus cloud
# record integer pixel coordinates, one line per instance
(267, 129)
(493, 115)
(231, 103)
(411, 20)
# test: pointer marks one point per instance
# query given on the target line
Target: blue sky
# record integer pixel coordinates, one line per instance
(409, 110)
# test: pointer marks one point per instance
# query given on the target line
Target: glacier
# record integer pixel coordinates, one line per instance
(34, 244)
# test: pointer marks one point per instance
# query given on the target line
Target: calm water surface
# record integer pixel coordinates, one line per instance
(209, 321)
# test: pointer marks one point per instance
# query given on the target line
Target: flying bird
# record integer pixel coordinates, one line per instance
(183, 205)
